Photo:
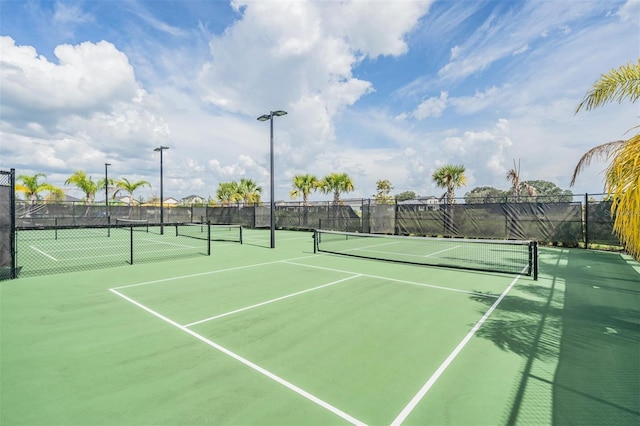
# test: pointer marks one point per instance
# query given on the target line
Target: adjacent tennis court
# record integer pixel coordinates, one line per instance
(250, 335)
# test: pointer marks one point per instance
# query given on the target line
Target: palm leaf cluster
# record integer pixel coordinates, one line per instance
(450, 177)
(335, 183)
(246, 191)
(622, 179)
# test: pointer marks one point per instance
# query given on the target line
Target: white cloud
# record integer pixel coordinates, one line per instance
(88, 77)
(432, 107)
(630, 11)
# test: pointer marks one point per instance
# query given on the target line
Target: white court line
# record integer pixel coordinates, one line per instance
(180, 277)
(423, 391)
(272, 301)
(248, 363)
(152, 242)
(441, 251)
(457, 290)
(43, 253)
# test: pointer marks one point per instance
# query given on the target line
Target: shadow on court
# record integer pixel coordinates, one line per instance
(579, 331)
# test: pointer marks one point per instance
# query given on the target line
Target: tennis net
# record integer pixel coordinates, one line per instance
(506, 256)
(205, 231)
(135, 224)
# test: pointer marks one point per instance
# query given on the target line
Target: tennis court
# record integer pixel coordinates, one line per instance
(250, 335)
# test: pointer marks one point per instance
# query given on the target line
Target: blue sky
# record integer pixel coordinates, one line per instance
(378, 89)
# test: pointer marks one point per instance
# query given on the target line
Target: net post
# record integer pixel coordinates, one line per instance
(586, 220)
(108, 226)
(177, 230)
(315, 241)
(533, 259)
(208, 238)
(240, 234)
(131, 244)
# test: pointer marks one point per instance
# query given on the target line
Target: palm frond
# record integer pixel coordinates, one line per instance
(616, 85)
(602, 152)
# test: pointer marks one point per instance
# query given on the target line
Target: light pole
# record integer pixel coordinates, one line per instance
(106, 189)
(272, 213)
(160, 149)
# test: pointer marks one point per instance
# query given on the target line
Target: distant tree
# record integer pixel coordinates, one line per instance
(513, 176)
(406, 195)
(383, 189)
(83, 183)
(485, 194)
(546, 191)
(336, 183)
(130, 187)
(248, 191)
(303, 185)
(449, 177)
(31, 188)
(228, 193)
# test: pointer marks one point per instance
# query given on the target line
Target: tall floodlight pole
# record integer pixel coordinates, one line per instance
(272, 213)
(106, 189)
(160, 149)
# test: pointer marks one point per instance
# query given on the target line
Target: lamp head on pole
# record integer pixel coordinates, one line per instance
(272, 114)
(161, 148)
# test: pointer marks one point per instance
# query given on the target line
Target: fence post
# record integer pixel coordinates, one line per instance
(586, 220)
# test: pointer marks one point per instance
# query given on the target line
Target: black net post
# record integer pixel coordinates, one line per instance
(209, 238)
(586, 221)
(131, 244)
(533, 259)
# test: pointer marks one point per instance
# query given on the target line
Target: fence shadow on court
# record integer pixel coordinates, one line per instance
(581, 348)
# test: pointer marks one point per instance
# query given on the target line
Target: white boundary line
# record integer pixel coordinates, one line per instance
(248, 363)
(423, 391)
(440, 251)
(43, 253)
(457, 290)
(236, 268)
(271, 301)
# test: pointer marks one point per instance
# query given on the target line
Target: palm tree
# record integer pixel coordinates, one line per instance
(248, 191)
(336, 183)
(227, 193)
(124, 185)
(513, 176)
(623, 172)
(83, 183)
(31, 188)
(303, 185)
(449, 177)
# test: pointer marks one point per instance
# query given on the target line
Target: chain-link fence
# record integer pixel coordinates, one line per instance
(7, 224)
(67, 248)
(568, 220)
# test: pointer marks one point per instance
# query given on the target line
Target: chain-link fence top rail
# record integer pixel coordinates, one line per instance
(7, 225)
(572, 221)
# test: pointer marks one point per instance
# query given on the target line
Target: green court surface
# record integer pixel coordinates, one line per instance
(255, 336)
